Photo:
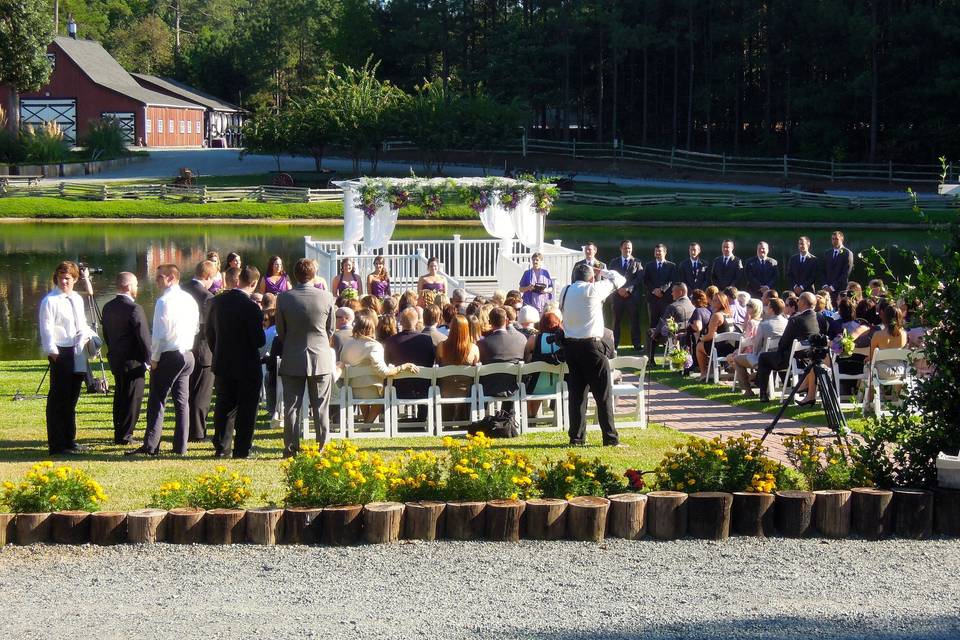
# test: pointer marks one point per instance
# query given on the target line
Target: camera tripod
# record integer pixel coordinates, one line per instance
(828, 397)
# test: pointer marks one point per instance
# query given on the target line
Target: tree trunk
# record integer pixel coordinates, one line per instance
(667, 514)
(690, 36)
(874, 82)
(146, 526)
(8, 528)
(627, 516)
(913, 513)
(265, 525)
(752, 514)
(831, 512)
(226, 526)
(424, 520)
(33, 528)
(465, 520)
(70, 527)
(382, 522)
(794, 513)
(503, 520)
(302, 525)
(587, 518)
(186, 525)
(947, 512)
(13, 110)
(676, 89)
(343, 525)
(646, 88)
(600, 87)
(708, 515)
(108, 527)
(545, 519)
(871, 512)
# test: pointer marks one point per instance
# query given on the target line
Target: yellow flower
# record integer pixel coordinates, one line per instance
(298, 484)
(514, 496)
(569, 479)
(691, 482)
(748, 457)
(474, 476)
(220, 468)
(487, 465)
(589, 474)
(54, 498)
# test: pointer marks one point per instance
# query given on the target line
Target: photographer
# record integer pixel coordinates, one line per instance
(801, 326)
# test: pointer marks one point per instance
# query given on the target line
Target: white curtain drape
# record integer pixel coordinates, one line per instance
(527, 223)
(499, 223)
(378, 231)
(352, 220)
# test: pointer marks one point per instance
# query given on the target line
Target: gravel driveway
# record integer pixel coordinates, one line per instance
(558, 591)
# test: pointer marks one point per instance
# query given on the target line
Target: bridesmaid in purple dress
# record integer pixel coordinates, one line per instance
(433, 281)
(378, 282)
(217, 284)
(275, 279)
(347, 279)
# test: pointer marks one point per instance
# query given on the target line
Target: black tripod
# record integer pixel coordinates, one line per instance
(828, 397)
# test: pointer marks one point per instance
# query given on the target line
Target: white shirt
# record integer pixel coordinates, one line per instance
(62, 321)
(176, 319)
(582, 305)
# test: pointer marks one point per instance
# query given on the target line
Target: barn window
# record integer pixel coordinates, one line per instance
(159, 126)
(149, 125)
(189, 126)
(52, 59)
(198, 127)
(170, 128)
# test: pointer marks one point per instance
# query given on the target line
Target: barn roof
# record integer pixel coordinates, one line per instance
(187, 92)
(105, 71)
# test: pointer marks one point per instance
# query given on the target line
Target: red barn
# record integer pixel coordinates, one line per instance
(88, 84)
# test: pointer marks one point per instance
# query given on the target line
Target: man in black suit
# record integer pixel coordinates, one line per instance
(201, 380)
(802, 270)
(727, 268)
(838, 264)
(680, 310)
(694, 271)
(589, 258)
(626, 299)
(127, 334)
(235, 334)
(800, 326)
(761, 271)
(500, 345)
(410, 345)
(658, 277)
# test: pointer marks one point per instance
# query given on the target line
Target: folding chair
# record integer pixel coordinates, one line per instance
(861, 379)
(414, 428)
(484, 401)
(793, 371)
(872, 399)
(771, 344)
(337, 402)
(352, 403)
(714, 366)
(555, 394)
(631, 388)
(454, 427)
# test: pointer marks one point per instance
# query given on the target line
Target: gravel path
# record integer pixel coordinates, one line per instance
(562, 591)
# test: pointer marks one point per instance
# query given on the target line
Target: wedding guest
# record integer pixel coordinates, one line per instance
(536, 285)
(431, 318)
(542, 346)
(347, 279)
(415, 347)
(201, 380)
(528, 319)
(269, 301)
(217, 283)
(720, 322)
(378, 282)
(127, 335)
(700, 317)
(433, 281)
(458, 349)
(275, 279)
(449, 313)
(772, 326)
(373, 303)
(344, 328)
(387, 326)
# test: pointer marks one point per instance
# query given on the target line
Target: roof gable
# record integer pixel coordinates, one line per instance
(186, 92)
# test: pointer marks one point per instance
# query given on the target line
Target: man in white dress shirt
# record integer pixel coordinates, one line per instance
(587, 356)
(176, 320)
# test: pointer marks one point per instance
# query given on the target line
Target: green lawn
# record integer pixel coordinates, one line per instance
(130, 483)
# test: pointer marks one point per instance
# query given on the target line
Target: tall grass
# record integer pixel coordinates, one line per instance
(45, 143)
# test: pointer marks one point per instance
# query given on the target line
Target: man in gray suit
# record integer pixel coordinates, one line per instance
(305, 322)
(772, 326)
(680, 310)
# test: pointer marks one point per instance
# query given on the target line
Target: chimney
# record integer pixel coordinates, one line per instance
(71, 27)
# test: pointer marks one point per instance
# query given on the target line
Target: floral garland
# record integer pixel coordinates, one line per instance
(476, 197)
(371, 196)
(429, 194)
(430, 199)
(398, 196)
(511, 196)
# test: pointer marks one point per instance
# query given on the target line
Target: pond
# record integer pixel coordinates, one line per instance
(30, 251)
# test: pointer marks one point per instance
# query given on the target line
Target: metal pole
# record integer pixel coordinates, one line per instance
(723, 164)
(786, 170)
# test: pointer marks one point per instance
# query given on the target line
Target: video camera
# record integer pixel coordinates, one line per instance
(818, 348)
(85, 268)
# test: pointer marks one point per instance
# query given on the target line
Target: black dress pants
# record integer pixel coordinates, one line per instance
(171, 377)
(127, 398)
(201, 389)
(767, 363)
(235, 413)
(589, 368)
(62, 399)
(630, 308)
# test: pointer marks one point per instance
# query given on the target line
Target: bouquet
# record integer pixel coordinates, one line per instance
(672, 326)
(477, 198)
(398, 197)
(511, 196)
(370, 198)
(680, 358)
(430, 200)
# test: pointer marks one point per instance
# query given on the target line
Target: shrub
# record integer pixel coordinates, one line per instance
(103, 138)
(417, 476)
(576, 476)
(732, 464)
(825, 466)
(479, 472)
(45, 488)
(44, 144)
(340, 474)
(218, 490)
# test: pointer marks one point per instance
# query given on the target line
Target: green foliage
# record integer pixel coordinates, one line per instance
(44, 144)
(269, 133)
(217, 490)
(103, 139)
(731, 464)
(25, 31)
(339, 475)
(576, 476)
(417, 475)
(477, 471)
(45, 488)
(144, 46)
(826, 465)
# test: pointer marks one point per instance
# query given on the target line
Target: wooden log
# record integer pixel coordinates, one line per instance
(708, 515)
(146, 526)
(70, 527)
(794, 513)
(667, 514)
(465, 520)
(545, 519)
(225, 526)
(33, 528)
(628, 516)
(831, 512)
(752, 514)
(382, 522)
(186, 525)
(108, 527)
(302, 525)
(265, 525)
(8, 528)
(587, 518)
(946, 513)
(871, 512)
(504, 520)
(424, 520)
(342, 525)
(913, 513)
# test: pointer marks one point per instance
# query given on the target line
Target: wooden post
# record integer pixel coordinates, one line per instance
(587, 518)
(424, 520)
(752, 514)
(503, 520)
(545, 519)
(794, 513)
(913, 513)
(786, 167)
(33, 528)
(265, 525)
(708, 515)
(673, 152)
(574, 148)
(871, 512)
(186, 525)
(627, 516)
(108, 527)
(667, 514)
(342, 525)
(146, 526)
(831, 512)
(382, 522)
(832, 169)
(226, 526)
(946, 513)
(8, 528)
(723, 164)
(302, 525)
(890, 172)
(465, 520)
(70, 527)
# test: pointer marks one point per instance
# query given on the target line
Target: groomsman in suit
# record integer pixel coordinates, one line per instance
(727, 268)
(838, 264)
(658, 277)
(694, 271)
(626, 299)
(589, 259)
(127, 335)
(802, 270)
(201, 380)
(761, 271)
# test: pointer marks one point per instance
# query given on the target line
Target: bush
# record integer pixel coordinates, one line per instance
(44, 144)
(103, 139)
(218, 490)
(825, 466)
(478, 472)
(417, 476)
(45, 488)
(576, 476)
(340, 475)
(733, 464)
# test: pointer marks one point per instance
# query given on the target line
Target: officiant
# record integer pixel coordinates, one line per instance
(536, 285)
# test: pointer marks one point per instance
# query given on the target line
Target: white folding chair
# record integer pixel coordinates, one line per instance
(337, 429)
(413, 428)
(714, 365)
(873, 398)
(631, 388)
(352, 403)
(860, 380)
(554, 420)
(454, 427)
(793, 371)
(667, 348)
(484, 401)
(771, 344)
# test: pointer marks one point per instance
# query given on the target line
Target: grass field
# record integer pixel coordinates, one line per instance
(130, 483)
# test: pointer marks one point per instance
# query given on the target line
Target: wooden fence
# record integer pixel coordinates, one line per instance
(200, 194)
